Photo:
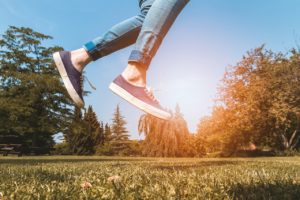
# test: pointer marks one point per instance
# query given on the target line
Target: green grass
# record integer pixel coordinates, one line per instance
(61, 177)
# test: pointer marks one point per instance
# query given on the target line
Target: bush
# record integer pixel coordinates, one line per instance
(62, 149)
(128, 148)
(134, 148)
(104, 149)
(287, 153)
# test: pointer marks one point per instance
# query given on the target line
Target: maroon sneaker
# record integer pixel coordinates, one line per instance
(140, 97)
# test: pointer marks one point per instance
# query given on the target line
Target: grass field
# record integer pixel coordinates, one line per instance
(70, 177)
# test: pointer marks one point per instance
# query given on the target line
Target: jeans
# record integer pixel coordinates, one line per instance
(147, 30)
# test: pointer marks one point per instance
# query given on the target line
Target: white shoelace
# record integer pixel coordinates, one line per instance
(150, 92)
(92, 86)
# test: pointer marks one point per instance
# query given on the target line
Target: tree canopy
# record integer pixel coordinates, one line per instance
(259, 102)
(33, 100)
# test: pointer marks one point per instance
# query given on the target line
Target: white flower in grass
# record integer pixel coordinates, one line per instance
(1, 195)
(86, 185)
(114, 179)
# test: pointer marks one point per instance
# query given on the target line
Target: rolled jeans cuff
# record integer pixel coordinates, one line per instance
(140, 58)
(92, 50)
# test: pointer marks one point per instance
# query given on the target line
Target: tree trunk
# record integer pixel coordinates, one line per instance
(291, 143)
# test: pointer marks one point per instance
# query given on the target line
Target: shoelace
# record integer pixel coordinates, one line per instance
(150, 92)
(92, 86)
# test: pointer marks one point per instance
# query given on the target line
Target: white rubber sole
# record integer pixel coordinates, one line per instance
(62, 71)
(138, 103)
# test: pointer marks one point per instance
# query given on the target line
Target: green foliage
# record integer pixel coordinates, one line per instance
(105, 149)
(95, 128)
(73, 177)
(132, 148)
(119, 134)
(85, 134)
(107, 133)
(259, 102)
(33, 101)
(135, 148)
(118, 129)
(62, 149)
(79, 139)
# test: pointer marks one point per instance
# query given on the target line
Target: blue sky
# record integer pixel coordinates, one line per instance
(207, 37)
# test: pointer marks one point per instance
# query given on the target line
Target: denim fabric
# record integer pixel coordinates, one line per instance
(146, 30)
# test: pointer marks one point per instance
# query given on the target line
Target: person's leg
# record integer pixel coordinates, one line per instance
(71, 63)
(118, 37)
(158, 21)
(131, 85)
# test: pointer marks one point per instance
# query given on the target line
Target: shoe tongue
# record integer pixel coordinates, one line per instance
(150, 90)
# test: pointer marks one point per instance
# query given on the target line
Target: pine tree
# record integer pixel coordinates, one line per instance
(119, 138)
(91, 117)
(79, 140)
(77, 136)
(95, 128)
(119, 132)
(107, 133)
(100, 137)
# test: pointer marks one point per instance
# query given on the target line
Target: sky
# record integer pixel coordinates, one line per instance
(207, 37)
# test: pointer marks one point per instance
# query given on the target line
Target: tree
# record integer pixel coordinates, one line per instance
(259, 102)
(165, 138)
(105, 148)
(78, 138)
(34, 103)
(212, 130)
(95, 128)
(107, 133)
(119, 133)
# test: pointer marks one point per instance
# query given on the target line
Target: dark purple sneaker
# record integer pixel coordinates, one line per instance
(70, 76)
(140, 97)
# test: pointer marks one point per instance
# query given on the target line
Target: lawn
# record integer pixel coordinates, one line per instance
(74, 177)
